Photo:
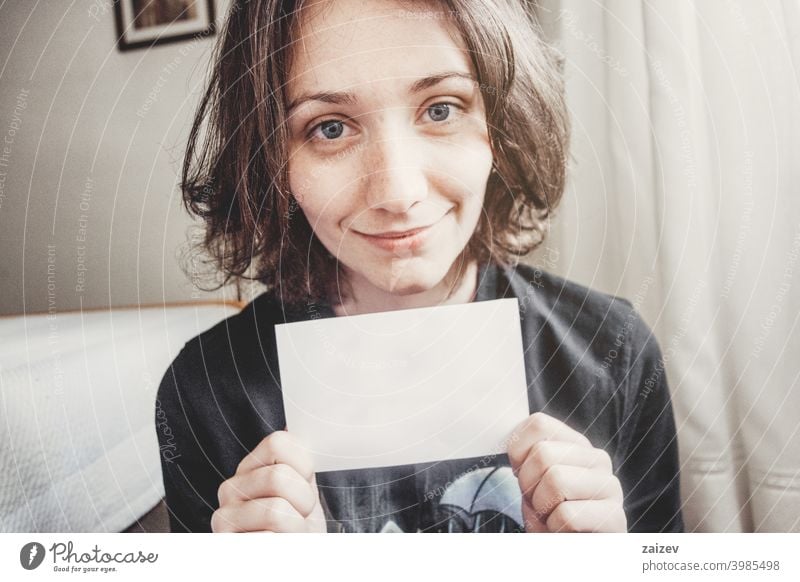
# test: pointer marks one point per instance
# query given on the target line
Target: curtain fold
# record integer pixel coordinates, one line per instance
(685, 198)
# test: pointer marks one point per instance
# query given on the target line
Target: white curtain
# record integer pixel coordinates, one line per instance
(685, 198)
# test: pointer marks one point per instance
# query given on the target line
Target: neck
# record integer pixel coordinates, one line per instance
(366, 298)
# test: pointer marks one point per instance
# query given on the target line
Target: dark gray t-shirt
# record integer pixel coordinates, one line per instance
(590, 361)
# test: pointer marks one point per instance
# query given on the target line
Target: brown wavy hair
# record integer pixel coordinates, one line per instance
(235, 172)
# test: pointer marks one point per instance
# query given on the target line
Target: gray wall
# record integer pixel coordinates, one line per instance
(89, 162)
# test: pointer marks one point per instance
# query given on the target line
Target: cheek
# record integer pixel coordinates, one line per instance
(463, 172)
(319, 191)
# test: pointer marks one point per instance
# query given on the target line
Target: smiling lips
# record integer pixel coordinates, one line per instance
(407, 240)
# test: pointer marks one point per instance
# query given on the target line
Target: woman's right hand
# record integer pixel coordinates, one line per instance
(274, 489)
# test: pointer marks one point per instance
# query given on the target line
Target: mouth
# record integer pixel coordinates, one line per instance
(400, 240)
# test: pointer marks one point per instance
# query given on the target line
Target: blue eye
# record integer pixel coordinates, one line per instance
(331, 129)
(439, 111)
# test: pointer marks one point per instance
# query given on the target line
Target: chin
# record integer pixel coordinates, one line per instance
(404, 289)
(408, 279)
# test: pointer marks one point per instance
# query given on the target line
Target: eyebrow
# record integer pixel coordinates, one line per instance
(345, 98)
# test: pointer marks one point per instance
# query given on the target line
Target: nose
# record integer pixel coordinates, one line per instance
(396, 174)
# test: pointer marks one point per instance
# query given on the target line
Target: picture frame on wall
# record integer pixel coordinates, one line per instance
(146, 23)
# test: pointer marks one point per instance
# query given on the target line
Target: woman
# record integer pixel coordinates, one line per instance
(362, 157)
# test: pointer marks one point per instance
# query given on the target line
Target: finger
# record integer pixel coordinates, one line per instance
(279, 447)
(545, 454)
(539, 427)
(279, 480)
(273, 514)
(588, 516)
(532, 522)
(565, 483)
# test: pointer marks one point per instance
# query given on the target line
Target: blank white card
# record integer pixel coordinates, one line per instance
(401, 387)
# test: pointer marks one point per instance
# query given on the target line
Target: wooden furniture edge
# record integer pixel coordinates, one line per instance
(207, 302)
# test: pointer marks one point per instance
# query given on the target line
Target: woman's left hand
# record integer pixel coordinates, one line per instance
(567, 484)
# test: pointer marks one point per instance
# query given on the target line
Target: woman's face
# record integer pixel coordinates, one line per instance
(389, 151)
